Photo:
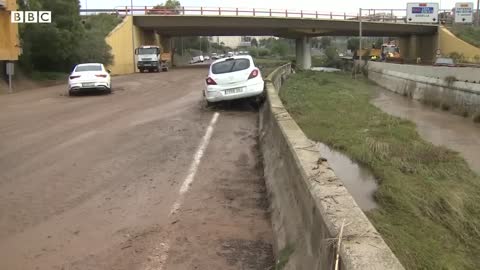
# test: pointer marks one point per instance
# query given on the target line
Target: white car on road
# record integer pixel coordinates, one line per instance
(91, 76)
(233, 78)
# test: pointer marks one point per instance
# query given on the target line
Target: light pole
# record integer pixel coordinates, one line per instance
(133, 36)
(360, 36)
(359, 44)
(478, 13)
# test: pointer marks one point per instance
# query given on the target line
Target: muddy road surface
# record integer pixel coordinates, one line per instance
(145, 178)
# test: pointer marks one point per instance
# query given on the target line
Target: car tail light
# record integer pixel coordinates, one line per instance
(254, 74)
(210, 81)
(101, 75)
(74, 77)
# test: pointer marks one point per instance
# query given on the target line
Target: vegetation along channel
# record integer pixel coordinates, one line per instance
(428, 197)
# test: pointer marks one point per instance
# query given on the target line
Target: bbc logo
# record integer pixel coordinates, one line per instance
(31, 17)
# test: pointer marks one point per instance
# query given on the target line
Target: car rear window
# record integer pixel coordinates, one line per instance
(231, 65)
(448, 61)
(88, 68)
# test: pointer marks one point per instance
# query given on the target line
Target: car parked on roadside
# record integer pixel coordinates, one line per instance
(197, 59)
(444, 62)
(89, 76)
(233, 78)
(206, 57)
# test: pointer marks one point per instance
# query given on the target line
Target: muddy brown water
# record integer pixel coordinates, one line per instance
(436, 126)
(358, 180)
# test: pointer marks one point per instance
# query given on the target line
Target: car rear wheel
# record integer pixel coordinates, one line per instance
(70, 93)
(209, 104)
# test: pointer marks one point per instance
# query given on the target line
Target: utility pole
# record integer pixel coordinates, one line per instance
(359, 41)
(181, 43)
(133, 37)
(360, 36)
(478, 13)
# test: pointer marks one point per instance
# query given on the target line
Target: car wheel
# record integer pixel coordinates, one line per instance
(255, 104)
(70, 93)
(209, 104)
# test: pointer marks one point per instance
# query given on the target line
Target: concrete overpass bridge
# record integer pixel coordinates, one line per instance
(156, 26)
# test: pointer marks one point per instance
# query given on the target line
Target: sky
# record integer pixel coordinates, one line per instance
(336, 6)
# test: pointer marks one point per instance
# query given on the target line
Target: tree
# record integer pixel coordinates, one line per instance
(173, 5)
(331, 57)
(325, 42)
(280, 48)
(65, 42)
(353, 44)
(254, 42)
(378, 43)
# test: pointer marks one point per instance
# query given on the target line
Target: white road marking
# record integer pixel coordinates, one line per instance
(160, 256)
(192, 171)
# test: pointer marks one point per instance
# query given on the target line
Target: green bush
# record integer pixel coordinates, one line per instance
(264, 52)
(458, 57)
(331, 58)
(253, 52)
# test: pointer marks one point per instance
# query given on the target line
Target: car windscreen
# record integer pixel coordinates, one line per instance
(147, 51)
(230, 65)
(445, 61)
(88, 68)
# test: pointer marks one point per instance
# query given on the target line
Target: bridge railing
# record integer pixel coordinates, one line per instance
(229, 11)
(368, 15)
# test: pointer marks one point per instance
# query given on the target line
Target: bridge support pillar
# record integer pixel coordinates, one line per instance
(166, 43)
(412, 48)
(421, 47)
(303, 48)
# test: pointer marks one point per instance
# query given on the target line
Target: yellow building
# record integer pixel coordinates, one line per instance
(9, 41)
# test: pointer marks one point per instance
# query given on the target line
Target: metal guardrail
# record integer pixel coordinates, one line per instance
(368, 15)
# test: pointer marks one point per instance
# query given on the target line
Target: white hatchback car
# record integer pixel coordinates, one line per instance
(233, 78)
(91, 76)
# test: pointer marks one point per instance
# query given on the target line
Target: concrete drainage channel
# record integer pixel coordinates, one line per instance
(314, 217)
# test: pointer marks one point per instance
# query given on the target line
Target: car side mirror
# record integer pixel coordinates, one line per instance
(109, 71)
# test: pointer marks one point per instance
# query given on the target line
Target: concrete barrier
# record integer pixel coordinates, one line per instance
(458, 96)
(309, 203)
(470, 74)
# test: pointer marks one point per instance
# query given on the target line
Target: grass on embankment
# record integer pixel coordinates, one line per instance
(470, 34)
(429, 199)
